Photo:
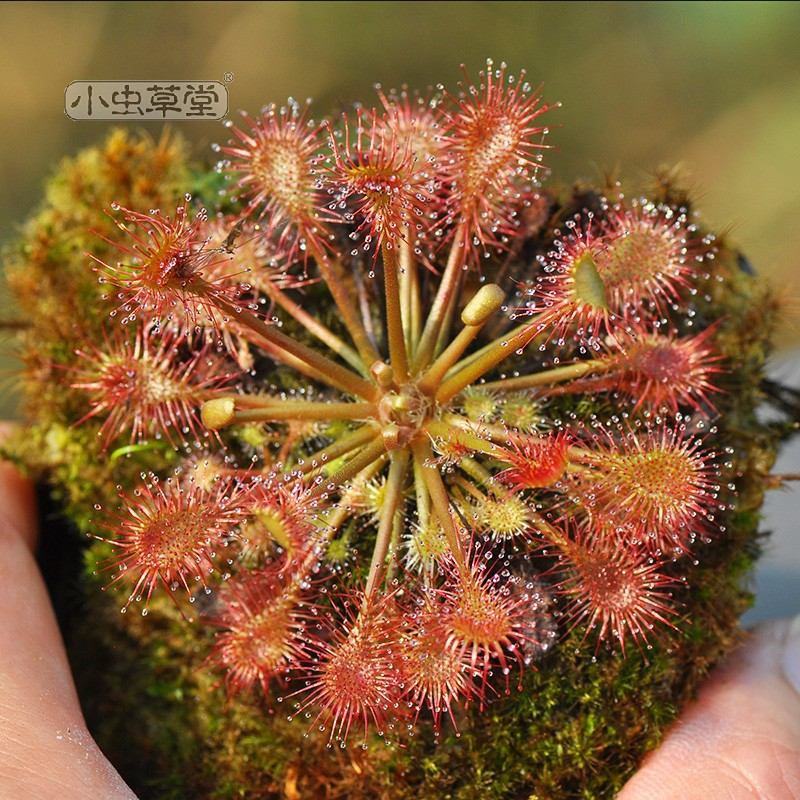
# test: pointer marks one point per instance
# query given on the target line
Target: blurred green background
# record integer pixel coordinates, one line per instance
(714, 86)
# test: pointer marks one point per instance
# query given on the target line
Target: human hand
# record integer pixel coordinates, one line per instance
(46, 752)
(739, 741)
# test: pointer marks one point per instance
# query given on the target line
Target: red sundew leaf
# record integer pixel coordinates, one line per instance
(485, 617)
(416, 124)
(652, 256)
(149, 387)
(569, 298)
(436, 677)
(354, 675)
(285, 514)
(264, 617)
(658, 483)
(665, 371)
(607, 278)
(616, 591)
(535, 462)
(492, 151)
(168, 533)
(274, 164)
(387, 187)
(656, 372)
(164, 280)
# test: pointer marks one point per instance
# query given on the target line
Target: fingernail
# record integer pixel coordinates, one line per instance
(791, 654)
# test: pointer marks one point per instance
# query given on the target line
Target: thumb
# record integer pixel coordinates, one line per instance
(45, 748)
(741, 738)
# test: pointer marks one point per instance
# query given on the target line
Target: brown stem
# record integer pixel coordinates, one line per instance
(332, 373)
(409, 292)
(448, 430)
(475, 315)
(302, 410)
(341, 447)
(501, 350)
(374, 450)
(438, 312)
(547, 377)
(315, 327)
(394, 316)
(392, 501)
(332, 274)
(474, 356)
(478, 473)
(441, 502)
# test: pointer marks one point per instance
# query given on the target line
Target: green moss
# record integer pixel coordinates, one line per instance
(578, 727)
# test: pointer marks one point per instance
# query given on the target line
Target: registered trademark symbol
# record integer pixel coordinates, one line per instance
(227, 77)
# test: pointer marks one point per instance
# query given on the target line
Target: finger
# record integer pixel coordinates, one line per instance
(17, 501)
(45, 749)
(741, 739)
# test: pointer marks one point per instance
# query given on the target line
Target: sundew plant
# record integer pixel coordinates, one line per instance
(410, 445)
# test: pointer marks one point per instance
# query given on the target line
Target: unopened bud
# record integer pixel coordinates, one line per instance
(218, 413)
(382, 373)
(486, 301)
(391, 436)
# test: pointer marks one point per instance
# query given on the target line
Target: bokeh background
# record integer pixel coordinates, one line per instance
(713, 86)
